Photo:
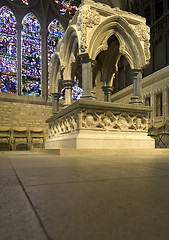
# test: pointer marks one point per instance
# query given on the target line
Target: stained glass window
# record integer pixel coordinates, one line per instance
(56, 33)
(68, 5)
(31, 56)
(8, 61)
(25, 1)
(18, 1)
(77, 92)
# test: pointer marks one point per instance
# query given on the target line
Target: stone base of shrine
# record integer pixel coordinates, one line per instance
(90, 124)
(92, 140)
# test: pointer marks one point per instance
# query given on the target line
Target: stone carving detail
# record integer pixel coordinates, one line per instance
(143, 33)
(99, 121)
(114, 121)
(66, 124)
(87, 18)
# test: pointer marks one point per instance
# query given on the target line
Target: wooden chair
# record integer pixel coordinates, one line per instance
(20, 133)
(159, 129)
(5, 136)
(36, 134)
(163, 135)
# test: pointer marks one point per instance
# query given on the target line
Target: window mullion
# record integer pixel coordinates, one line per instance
(19, 63)
(44, 57)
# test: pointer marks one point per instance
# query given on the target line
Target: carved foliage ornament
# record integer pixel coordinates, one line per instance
(87, 17)
(143, 33)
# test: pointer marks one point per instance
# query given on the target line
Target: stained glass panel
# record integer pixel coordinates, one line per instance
(31, 56)
(68, 5)
(25, 1)
(56, 33)
(77, 92)
(8, 57)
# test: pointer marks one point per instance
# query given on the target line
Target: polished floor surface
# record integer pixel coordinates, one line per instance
(53, 197)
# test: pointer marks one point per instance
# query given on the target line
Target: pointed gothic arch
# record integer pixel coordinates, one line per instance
(127, 35)
(31, 56)
(8, 51)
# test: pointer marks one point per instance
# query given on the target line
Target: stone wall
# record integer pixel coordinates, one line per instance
(14, 114)
(152, 85)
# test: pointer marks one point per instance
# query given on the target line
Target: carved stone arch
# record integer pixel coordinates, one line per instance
(130, 44)
(109, 66)
(68, 56)
(54, 73)
(73, 58)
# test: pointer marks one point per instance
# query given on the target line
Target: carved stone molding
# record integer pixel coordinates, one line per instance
(110, 121)
(64, 125)
(97, 120)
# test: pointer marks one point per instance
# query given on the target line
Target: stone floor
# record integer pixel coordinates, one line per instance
(53, 197)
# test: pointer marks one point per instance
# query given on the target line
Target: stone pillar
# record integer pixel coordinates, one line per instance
(55, 103)
(137, 87)
(44, 62)
(107, 93)
(68, 84)
(87, 78)
(19, 59)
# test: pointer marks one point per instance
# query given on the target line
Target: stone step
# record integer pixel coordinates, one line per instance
(157, 151)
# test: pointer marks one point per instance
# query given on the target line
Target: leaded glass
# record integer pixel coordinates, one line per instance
(25, 1)
(31, 56)
(77, 92)
(8, 57)
(67, 6)
(56, 33)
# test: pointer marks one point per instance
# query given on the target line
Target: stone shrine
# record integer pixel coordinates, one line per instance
(90, 50)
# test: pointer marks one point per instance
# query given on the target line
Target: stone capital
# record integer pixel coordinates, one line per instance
(107, 89)
(68, 83)
(56, 95)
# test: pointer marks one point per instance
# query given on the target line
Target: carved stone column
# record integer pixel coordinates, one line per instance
(55, 103)
(44, 63)
(137, 87)
(87, 78)
(19, 59)
(107, 93)
(68, 84)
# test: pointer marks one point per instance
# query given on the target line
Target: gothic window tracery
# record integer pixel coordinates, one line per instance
(31, 56)
(8, 66)
(20, 46)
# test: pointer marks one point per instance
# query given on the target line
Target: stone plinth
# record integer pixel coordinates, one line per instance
(99, 125)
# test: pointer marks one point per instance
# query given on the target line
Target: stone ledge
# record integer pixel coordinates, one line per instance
(111, 152)
(91, 104)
